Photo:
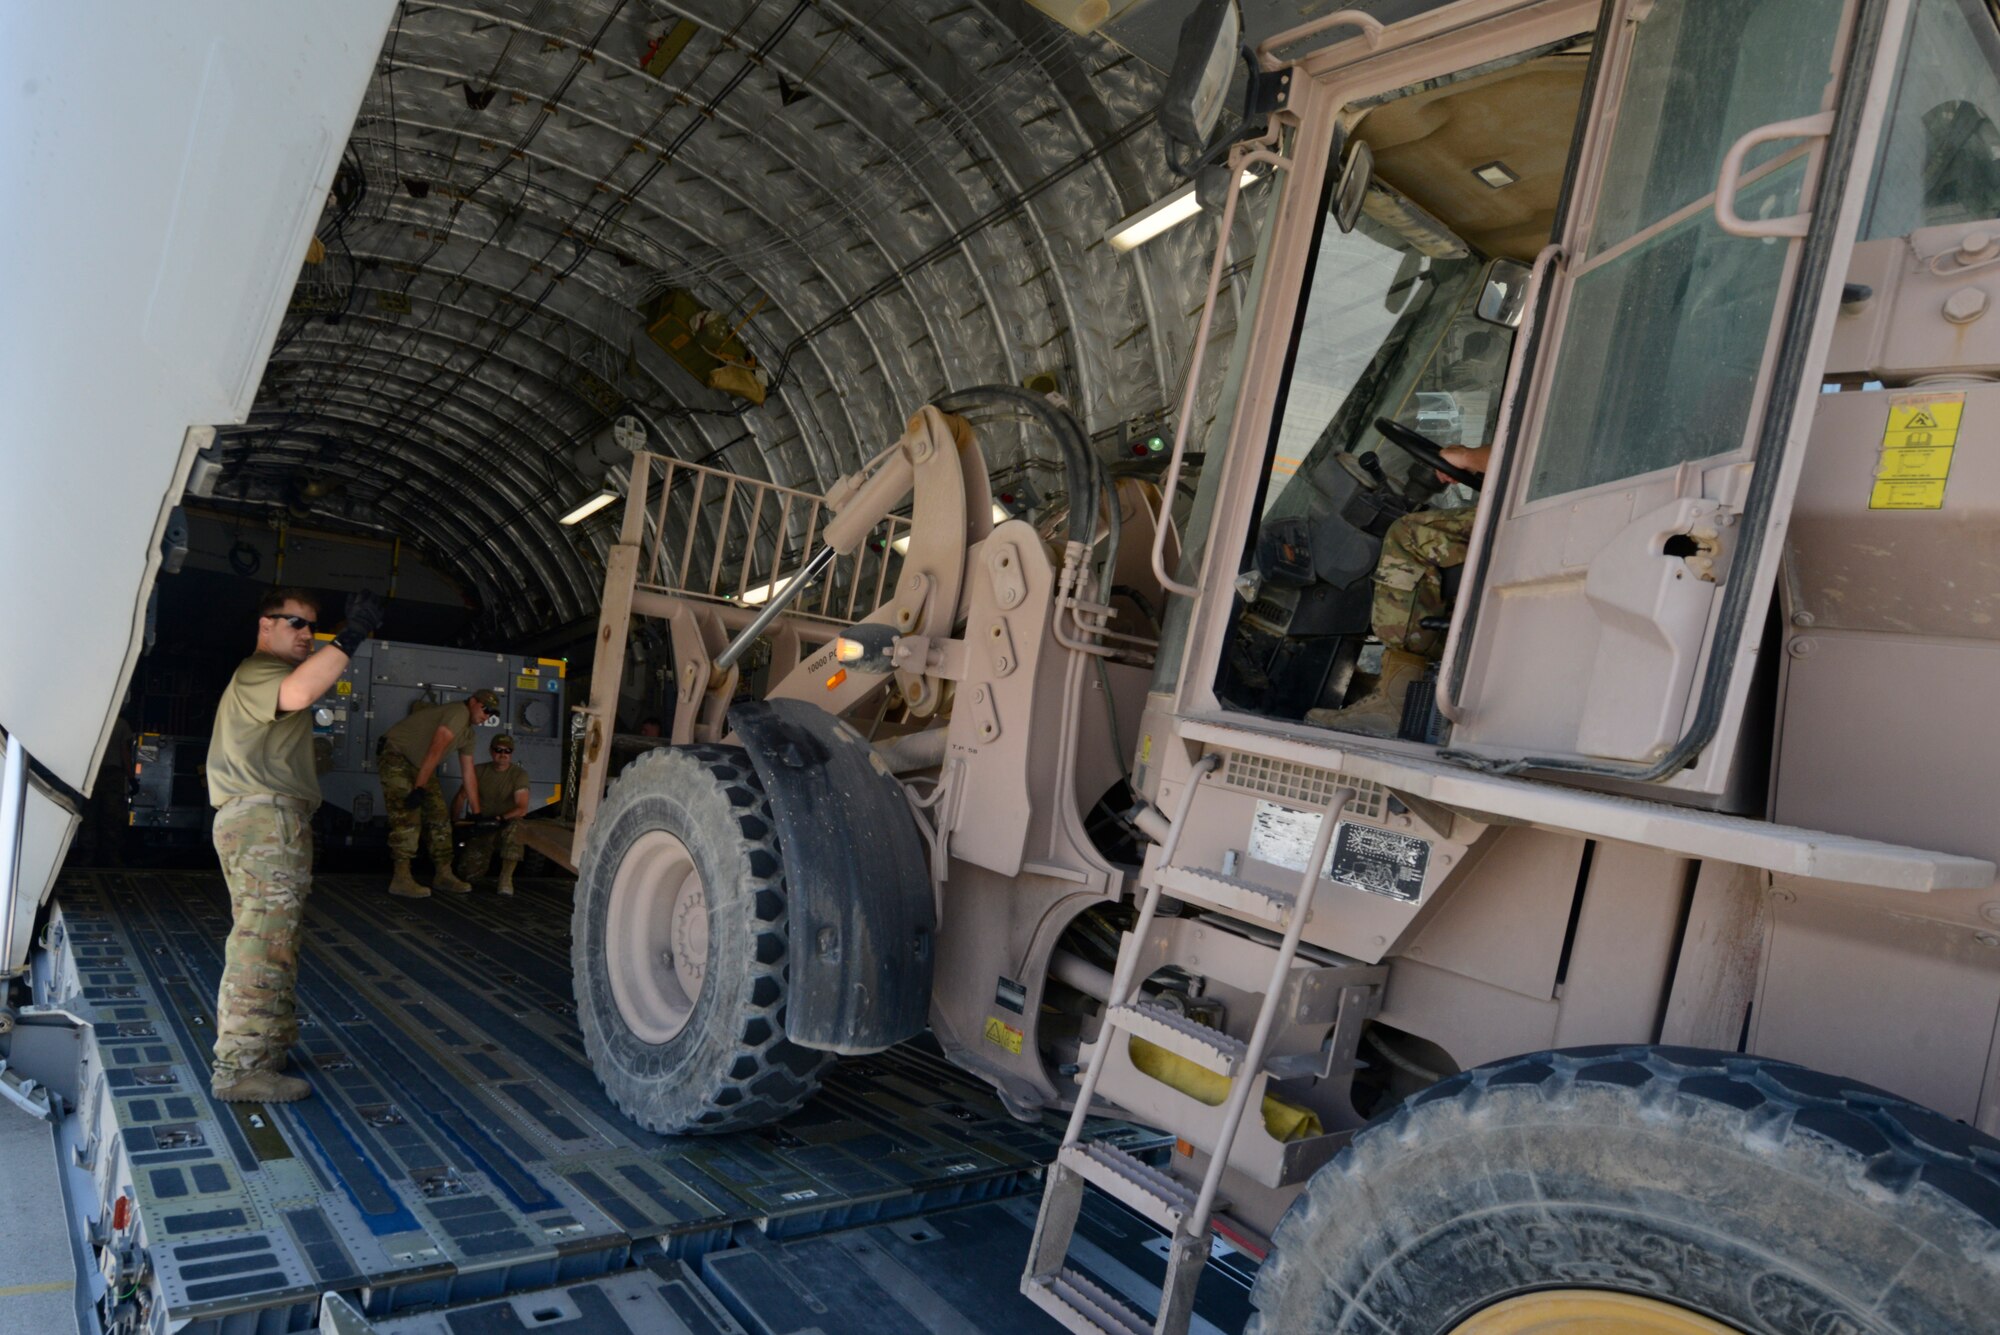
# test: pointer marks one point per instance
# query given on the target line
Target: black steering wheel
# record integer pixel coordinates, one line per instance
(1426, 451)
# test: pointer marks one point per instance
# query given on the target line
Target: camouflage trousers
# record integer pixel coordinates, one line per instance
(477, 856)
(1407, 587)
(429, 822)
(266, 853)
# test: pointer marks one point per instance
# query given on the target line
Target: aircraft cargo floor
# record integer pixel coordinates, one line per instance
(457, 1152)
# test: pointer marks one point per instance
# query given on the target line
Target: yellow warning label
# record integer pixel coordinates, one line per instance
(1917, 445)
(1006, 1035)
(1921, 461)
(1926, 495)
(1929, 412)
(343, 688)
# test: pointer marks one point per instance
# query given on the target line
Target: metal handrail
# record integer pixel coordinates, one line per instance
(1239, 159)
(760, 514)
(1488, 514)
(1267, 50)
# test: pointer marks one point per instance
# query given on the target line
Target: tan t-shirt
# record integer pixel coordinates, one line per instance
(497, 789)
(255, 750)
(413, 735)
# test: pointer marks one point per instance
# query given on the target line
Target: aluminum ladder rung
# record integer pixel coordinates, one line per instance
(1154, 1194)
(1246, 899)
(1179, 1035)
(1083, 1307)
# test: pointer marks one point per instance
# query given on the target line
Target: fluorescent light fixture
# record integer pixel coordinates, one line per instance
(589, 506)
(1154, 219)
(902, 544)
(1496, 174)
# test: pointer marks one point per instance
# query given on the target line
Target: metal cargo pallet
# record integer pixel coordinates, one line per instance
(457, 1147)
(953, 1272)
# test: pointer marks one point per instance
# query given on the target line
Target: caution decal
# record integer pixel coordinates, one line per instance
(998, 1031)
(1917, 445)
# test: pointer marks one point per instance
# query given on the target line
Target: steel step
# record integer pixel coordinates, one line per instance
(1179, 1035)
(1153, 1193)
(1083, 1307)
(1245, 899)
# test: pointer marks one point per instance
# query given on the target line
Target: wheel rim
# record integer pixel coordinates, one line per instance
(656, 936)
(1586, 1312)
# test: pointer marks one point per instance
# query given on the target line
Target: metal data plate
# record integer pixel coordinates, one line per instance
(1381, 862)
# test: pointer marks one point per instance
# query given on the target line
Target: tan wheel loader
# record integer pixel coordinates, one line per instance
(1535, 847)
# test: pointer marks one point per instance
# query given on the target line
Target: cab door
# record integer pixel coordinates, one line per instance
(1627, 545)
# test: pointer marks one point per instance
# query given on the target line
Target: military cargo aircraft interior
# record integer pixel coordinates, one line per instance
(860, 667)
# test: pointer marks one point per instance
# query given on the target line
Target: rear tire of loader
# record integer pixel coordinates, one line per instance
(678, 943)
(1724, 1191)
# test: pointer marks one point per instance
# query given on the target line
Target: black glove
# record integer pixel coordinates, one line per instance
(364, 618)
(414, 801)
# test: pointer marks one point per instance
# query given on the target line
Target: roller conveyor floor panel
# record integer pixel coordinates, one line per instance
(456, 1147)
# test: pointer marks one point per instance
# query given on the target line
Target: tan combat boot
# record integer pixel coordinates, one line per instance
(406, 885)
(1380, 712)
(447, 881)
(507, 877)
(263, 1087)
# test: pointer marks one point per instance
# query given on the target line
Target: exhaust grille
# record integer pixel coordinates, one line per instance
(1302, 784)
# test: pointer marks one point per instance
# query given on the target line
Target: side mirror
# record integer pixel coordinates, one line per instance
(1192, 103)
(1506, 293)
(1352, 191)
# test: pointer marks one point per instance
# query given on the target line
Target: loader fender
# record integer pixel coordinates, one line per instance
(863, 920)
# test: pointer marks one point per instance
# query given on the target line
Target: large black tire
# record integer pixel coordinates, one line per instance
(1765, 1196)
(730, 1065)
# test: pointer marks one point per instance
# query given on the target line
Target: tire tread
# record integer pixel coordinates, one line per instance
(1900, 1148)
(769, 1075)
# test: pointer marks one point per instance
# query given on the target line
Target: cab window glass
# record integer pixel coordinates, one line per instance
(1669, 318)
(1388, 331)
(1390, 328)
(1940, 156)
(1697, 85)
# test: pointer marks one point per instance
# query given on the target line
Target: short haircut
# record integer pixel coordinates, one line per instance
(274, 600)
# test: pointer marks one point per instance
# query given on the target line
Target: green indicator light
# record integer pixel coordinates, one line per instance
(1156, 443)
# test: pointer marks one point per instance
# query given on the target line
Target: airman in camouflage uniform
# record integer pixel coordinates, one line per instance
(406, 761)
(265, 787)
(1409, 587)
(503, 796)
(1408, 578)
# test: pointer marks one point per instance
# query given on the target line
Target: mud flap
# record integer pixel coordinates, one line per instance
(863, 920)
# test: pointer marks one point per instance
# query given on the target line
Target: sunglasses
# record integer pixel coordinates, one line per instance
(502, 751)
(296, 623)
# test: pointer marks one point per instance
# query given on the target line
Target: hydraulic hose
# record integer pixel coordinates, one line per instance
(1080, 471)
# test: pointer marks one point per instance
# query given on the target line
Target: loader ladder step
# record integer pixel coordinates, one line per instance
(1181, 1036)
(1083, 1307)
(1246, 899)
(1146, 1189)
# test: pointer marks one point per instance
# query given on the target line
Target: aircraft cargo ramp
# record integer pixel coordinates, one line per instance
(459, 1160)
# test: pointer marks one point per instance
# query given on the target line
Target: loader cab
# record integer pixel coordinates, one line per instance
(1442, 196)
(1607, 242)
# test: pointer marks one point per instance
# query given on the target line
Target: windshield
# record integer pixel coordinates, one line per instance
(1389, 330)
(1940, 156)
